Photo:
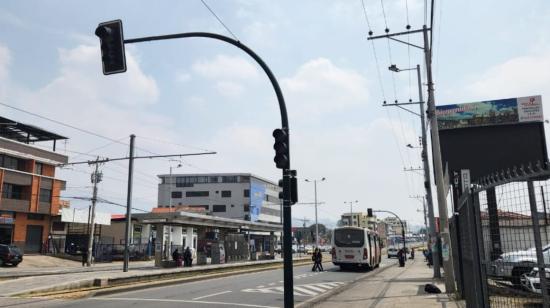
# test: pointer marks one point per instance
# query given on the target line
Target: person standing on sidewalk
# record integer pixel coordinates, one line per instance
(84, 258)
(401, 256)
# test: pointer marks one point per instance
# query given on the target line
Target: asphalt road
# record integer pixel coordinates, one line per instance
(261, 289)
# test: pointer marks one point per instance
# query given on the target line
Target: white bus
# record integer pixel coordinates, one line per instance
(355, 247)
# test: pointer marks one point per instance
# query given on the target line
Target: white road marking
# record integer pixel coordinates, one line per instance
(311, 290)
(210, 295)
(301, 289)
(259, 287)
(272, 284)
(177, 301)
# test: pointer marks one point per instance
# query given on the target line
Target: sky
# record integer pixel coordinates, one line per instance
(195, 94)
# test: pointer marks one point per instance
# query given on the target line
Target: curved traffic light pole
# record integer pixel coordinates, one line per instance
(400, 221)
(287, 217)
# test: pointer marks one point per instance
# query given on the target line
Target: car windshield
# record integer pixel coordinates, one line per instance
(349, 238)
(15, 249)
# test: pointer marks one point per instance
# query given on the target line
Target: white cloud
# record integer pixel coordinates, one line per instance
(226, 67)
(320, 87)
(183, 77)
(520, 76)
(229, 88)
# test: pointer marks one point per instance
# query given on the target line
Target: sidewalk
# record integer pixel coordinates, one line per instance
(393, 287)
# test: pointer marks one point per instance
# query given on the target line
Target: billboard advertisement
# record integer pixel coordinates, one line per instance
(488, 113)
(257, 197)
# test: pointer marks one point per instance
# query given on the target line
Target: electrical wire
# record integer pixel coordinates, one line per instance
(219, 20)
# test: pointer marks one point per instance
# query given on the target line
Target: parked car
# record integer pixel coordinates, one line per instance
(512, 265)
(392, 252)
(309, 249)
(10, 254)
(531, 281)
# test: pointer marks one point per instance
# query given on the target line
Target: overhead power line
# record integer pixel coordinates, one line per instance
(219, 20)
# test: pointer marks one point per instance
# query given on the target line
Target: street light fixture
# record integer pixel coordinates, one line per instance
(316, 222)
(351, 210)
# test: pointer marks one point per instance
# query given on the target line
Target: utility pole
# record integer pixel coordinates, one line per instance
(129, 206)
(316, 221)
(425, 215)
(169, 250)
(96, 178)
(426, 166)
(438, 166)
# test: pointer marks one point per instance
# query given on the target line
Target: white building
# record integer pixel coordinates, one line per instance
(231, 195)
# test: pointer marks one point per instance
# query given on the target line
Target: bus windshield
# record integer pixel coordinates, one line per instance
(349, 238)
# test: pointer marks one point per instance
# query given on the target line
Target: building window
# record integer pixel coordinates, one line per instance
(12, 191)
(226, 193)
(177, 195)
(32, 216)
(213, 179)
(230, 179)
(10, 162)
(197, 193)
(45, 195)
(218, 208)
(38, 168)
(246, 207)
(247, 193)
(245, 179)
(58, 226)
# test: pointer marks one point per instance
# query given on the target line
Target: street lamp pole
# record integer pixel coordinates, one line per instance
(351, 211)
(170, 182)
(316, 222)
(400, 221)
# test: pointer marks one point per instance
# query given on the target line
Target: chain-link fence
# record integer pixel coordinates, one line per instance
(502, 240)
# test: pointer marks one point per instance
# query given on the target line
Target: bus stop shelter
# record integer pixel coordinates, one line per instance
(207, 227)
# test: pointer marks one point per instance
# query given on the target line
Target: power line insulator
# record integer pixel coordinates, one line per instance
(387, 30)
(408, 27)
(371, 33)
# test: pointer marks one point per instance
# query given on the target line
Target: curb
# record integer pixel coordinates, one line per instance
(97, 286)
(313, 301)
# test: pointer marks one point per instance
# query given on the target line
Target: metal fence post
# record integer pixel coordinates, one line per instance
(538, 243)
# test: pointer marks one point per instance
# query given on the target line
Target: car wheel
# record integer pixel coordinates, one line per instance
(15, 264)
(517, 272)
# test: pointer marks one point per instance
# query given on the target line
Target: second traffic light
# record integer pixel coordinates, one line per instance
(281, 149)
(112, 47)
(369, 213)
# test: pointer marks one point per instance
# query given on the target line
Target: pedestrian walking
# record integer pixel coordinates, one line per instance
(187, 257)
(319, 259)
(84, 257)
(314, 259)
(412, 254)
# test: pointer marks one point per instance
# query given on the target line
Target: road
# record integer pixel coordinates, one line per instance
(261, 289)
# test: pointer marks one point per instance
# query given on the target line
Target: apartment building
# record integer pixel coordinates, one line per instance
(29, 188)
(359, 219)
(231, 195)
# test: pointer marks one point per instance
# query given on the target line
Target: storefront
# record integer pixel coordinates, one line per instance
(7, 221)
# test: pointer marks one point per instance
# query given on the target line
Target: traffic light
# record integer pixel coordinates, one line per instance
(293, 189)
(281, 193)
(281, 149)
(112, 47)
(369, 212)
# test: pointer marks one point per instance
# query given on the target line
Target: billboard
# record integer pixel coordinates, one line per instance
(81, 216)
(490, 136)
(487, 113)
(257, 197)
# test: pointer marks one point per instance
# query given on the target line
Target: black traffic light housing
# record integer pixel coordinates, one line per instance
(281, 149)
(293, 181)
(369, 213)
(111, 38)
